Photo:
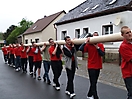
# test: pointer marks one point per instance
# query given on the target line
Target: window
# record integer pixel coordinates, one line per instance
(85, 9)
(85, 30)
(108, 29)
(34, 27)
(63, 34)
(95, 6)
(36, 40)
(85, 33)
(77, 33)
(113, 1)
(26, 41)
(31, 40)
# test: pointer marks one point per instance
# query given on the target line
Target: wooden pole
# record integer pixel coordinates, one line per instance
(96, 39)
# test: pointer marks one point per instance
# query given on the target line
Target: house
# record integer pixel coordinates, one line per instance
(103, 16)
(42, 29)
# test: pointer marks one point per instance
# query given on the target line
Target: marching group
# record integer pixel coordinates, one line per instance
(17, 55)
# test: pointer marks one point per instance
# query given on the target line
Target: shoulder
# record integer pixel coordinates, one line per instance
(101, 44)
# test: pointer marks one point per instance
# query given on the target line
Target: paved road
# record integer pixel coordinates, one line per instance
(16, 85)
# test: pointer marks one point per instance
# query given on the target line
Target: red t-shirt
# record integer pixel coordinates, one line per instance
(17, 51)
(94, 59)
(36, 56)
(126, 55)
(11, 50)
(23, 54)
(53, 57)
(4, 50)
(8, 49)
(30, 53)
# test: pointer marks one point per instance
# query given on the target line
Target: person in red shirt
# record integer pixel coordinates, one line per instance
(17, 56)
(23, 57)
(9, 58)
(37, 59)
(95, 53)
(56, 63)
(4, 50)
(12, 55)
(125, 51)
(30, 59)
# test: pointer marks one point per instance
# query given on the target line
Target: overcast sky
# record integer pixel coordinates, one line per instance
(12, 11)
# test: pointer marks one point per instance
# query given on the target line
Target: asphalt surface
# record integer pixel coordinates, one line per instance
(16, 85)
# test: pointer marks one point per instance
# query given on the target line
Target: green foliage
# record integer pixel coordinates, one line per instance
(8, 31)
(1, 36)
(23, 26)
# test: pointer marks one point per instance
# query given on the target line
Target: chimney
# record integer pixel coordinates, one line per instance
(44, 16)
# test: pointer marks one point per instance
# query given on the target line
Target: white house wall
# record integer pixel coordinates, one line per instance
(95, 24)
(33, 36)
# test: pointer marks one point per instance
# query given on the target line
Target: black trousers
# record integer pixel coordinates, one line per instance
(24, 64)
(9, 59)
(128, 83)
(70, 78)
(93, 77)
(5, 57)
(37, 65)
(57, 69)
(30, 59)
(12, 59)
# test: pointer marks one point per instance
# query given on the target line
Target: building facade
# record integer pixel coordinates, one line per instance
(104, 16)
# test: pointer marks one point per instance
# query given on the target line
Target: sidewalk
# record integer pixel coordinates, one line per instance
(110, 74)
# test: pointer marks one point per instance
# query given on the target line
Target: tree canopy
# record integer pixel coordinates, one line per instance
(1, 36)
(20, 29)
(8, 31)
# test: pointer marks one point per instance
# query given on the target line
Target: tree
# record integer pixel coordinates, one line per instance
(8, 31)
(1, 36)
(23, 26)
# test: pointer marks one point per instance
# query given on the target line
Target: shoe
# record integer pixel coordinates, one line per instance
(5, 62)
(72, 95)
(54, 84)
(17, 70)
(57, 88)
(31, 73)
(44, 79)
(25, 71)
(13, 66)
(90, 97)
(67, 92)
(48, 82)
(34, 76)
(10, 65)
(39, 78)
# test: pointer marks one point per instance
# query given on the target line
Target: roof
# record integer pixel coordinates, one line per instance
(94, 8)
(41, 24)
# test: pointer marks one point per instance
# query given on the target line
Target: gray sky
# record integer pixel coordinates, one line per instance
(12, 11)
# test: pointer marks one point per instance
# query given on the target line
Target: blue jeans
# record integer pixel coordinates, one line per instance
(12, 59)
(17, 62)
(46, 65)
